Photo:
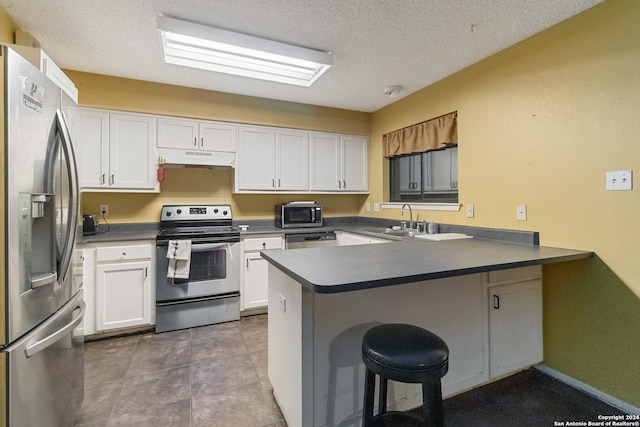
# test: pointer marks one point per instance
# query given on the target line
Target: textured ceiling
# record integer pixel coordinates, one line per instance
(375, 43)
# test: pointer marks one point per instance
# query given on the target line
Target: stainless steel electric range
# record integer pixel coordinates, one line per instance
(205, 240)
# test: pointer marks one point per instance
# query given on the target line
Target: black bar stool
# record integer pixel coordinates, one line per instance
(408, 354)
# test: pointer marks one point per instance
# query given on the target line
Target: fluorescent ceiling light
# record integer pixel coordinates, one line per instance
(198, 46)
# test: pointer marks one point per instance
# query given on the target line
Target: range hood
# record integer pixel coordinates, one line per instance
(181, 157)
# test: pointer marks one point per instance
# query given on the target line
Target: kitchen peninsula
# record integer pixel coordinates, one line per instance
(483, 297)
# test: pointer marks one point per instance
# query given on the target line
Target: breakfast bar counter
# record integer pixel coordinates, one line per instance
(482, 297)
(350, 268)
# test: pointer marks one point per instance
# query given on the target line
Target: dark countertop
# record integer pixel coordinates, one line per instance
(122, 233)
(350, 268)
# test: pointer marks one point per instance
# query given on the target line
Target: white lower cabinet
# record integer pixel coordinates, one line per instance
(515, 321)
(255, 280)
(119, 286)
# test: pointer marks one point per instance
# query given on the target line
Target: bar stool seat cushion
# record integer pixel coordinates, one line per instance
(405, 353)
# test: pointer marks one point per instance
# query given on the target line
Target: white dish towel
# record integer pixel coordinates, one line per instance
(179, 254)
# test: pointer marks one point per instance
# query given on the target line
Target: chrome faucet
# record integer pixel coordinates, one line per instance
(410, 214)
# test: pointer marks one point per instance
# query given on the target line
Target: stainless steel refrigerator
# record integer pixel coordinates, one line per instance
(41, 363)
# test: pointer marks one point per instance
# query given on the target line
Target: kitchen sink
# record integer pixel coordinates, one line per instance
(438, 237)
(405, 232)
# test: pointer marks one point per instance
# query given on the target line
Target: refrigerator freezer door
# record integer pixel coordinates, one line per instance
(46, 371)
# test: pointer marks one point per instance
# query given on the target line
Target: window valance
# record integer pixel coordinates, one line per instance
(428, 135)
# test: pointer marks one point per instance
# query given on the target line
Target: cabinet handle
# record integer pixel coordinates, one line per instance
(264, 245)
(202, 142)
(339, 184)
(146, 272)
(124, 254)
(103, 179)
(279, 183)
(247, 262)
(273, 183)
(113, 179)
(195, 141)
(496, 302)
(344, 184)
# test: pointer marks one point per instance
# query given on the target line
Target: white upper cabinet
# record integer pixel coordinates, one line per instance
(292, 160)
(325, 162)
(132, 160)
(117, 151)
(91, 128)
(256, 154)
(355, 163)
(338, 163)
(196, 135)
(271, 159)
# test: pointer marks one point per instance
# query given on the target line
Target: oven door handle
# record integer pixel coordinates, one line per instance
(203, 247)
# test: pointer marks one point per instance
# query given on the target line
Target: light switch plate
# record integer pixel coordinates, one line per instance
(470, 211)
(619, 180)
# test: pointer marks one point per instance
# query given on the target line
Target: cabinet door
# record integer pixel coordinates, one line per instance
(325, 162)
(218, 137)
(354, 164)
(92, 136)
(132, 147)
(515, 326)
(444, 170)
(175, 133)
(292, 160)
(255, 284)
(454, 168)
(411, 175)
(123, 295)
(453, 309)
(256, 159)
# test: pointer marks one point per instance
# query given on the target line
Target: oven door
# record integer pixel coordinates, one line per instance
(214, 270)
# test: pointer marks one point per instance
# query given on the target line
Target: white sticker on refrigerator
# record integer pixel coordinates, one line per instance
(32, 95)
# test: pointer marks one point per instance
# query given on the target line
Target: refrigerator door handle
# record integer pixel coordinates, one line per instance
(72, 170)
(38, 346)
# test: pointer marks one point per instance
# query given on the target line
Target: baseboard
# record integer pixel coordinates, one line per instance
(586, 388)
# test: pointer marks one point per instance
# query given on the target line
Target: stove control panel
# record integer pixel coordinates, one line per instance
(195, 213)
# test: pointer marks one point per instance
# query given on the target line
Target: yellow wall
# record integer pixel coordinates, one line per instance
(204, 185)
(539, 124)
(7, 27)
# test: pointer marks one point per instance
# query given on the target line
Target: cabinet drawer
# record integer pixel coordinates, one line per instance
(515, 274)
(123, 253)
(263, 243)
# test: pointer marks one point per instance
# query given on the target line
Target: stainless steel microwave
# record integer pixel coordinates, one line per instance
(298, 215)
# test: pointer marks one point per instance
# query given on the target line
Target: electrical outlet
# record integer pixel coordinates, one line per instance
(376, 207)
(521, 212)
(470, 211)
(104, 210)
(368, 207)
(283, 303)
(619, 180)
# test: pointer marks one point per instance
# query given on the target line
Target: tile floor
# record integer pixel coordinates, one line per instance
(212, 376)
(216, 376)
